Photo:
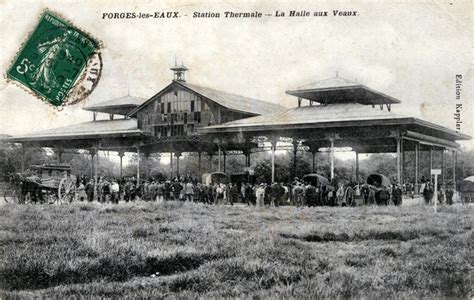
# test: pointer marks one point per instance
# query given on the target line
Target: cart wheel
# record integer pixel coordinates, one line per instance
(11, 196)
(66, 191)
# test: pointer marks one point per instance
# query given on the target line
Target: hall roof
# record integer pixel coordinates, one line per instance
(340, 90)
(231, 101)
(94, 129)
(119, 106)
(329, 116)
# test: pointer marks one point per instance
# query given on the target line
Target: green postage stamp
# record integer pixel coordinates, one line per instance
(53, 58)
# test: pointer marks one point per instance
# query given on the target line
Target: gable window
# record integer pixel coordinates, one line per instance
(197, 117)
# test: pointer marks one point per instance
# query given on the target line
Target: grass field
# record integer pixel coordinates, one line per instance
(188, 250)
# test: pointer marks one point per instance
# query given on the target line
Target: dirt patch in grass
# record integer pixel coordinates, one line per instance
(385, 235)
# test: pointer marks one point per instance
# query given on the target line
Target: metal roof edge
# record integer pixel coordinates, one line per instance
(21, 139)
(91, 108)
(461, 135)
(295, 92)
(324, 89)
(251, 127)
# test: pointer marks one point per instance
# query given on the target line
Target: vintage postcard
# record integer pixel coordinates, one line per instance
(236, 149)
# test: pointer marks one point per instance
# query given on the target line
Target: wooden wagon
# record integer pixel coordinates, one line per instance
(45, 183)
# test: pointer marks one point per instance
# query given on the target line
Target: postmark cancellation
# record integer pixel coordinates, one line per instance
(53, 62)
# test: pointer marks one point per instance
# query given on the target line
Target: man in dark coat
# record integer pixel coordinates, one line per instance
(274, 194)
(176, 188)
(310, 195)
(397, 195)
(167, 191)
(384, 197)
(365, 191)
(449, 196)
(428, 193)
(89, 189)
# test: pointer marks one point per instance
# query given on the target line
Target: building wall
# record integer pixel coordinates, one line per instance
(179, 112)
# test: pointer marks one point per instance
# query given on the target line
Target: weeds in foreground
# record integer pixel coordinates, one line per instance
(188, 250)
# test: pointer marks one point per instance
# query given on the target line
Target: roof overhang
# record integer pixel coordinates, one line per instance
(76, 136)
(113, 109)
(355, 93)
(419, 125)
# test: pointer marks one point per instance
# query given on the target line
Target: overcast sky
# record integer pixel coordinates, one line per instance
(411, 52)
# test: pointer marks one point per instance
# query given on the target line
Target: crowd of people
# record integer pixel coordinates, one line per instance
(298, 192)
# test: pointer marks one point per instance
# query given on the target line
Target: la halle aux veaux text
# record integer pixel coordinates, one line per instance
(227, 14)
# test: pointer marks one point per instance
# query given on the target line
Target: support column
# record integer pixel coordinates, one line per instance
(399, 161)
(357, 168)
(313, 154)
(171, 165)
(246, 154)
(120, 154)
(219, 152)
(431, 160)
(331, 157)
(95, 153)
(417, 167)
(178, 155)
(60, 153)
(146, 156)
(92, 162)
(443, 169)
(430, 177)
(224, 154)
(455, 158)
(295, 151)
(402, 146)
(199, 163)
(138, 165)
(273, 143)
(210, 161)
(22, 158)
(96, 173)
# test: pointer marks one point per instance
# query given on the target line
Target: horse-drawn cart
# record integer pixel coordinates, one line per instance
(42, 184)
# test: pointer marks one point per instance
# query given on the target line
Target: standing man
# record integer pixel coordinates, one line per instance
(89, 189)
(299, 193)
(340, 195)
(449, 195)
(349, 195)
(189, 191)
(115, 188)
(260, 195)
(365, 193)
(160, 191)
(176, 189)
(310, 195)
(167, 189)
(397, 194)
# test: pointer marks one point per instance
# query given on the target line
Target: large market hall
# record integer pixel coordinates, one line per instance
(184, 118)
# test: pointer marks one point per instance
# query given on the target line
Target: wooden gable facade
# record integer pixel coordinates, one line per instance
(179, 111)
